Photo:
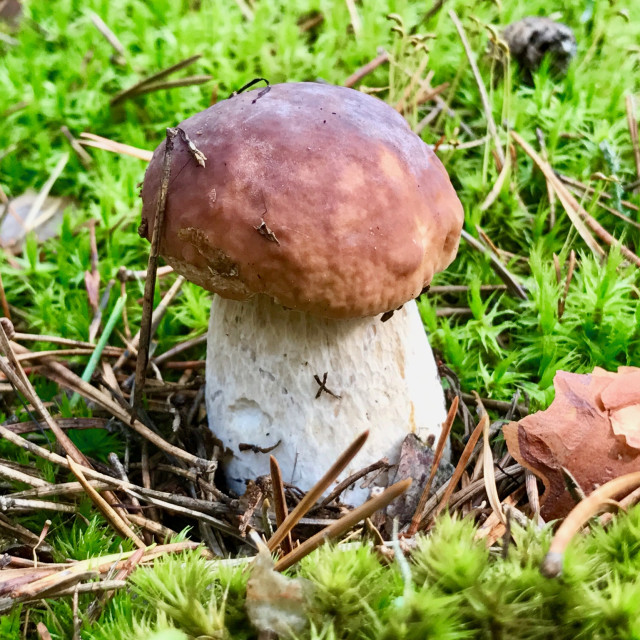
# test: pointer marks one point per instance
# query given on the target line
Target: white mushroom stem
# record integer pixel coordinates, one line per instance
(262, 363)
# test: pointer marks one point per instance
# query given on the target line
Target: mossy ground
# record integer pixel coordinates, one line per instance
(56, 70)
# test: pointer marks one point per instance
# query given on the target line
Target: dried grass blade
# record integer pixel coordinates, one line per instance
(92, 140)
(44, 192)
(489, 474)
(316, 491)
(484, 98)
(497, 187)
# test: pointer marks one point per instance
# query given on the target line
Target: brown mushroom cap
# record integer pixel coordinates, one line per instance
(316, 195)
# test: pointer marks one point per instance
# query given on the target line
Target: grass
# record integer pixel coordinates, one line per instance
(58, 72)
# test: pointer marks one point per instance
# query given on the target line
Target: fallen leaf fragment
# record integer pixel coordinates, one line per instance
(592, 429)
(275, 603)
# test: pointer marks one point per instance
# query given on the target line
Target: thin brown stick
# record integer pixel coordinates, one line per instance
(572, 182)
(344, 524)
(279, 502)
(477, 487)
(53, 353)
(152, 266)
(514, 287)
(366, 69)
(126, 275)
(156, 317)
(316, 491)
(7, 504)
(154, 78)
(626, 502)
(18, 476)
(437, 456)
(78, 344)
(64, 423)
(179, 348)
(577, 191)
(498, 405)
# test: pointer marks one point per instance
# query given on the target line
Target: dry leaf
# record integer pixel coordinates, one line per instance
(416, 459)
(592, 429)
(274, 602)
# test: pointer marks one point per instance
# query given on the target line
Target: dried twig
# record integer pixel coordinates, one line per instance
(152, 266)
(153, 79)
(70, 380)
(365, 70)
(156, 317)
(18, 377)
(383, 463)
(85, 158)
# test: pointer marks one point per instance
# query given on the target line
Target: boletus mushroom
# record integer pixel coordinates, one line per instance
(317, 219)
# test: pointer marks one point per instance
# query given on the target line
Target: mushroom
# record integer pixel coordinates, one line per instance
(317, 219)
